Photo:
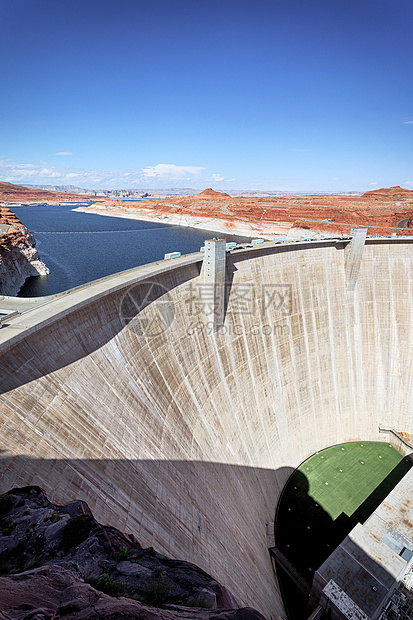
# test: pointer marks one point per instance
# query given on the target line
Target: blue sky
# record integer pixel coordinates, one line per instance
(276, 95)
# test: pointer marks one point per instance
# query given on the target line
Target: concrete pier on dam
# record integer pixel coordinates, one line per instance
(122, 393)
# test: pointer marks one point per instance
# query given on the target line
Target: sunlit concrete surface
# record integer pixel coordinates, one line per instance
(121, 394)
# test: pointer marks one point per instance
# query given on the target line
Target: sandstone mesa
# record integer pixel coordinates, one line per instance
(383, 212)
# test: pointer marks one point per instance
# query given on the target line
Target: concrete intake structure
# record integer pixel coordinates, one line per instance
(214, 277)
(121, 394)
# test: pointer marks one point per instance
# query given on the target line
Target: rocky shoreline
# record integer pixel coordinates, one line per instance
(19, 258)
(187, 221)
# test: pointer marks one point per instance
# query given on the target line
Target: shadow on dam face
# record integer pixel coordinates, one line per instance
(158, 486)
(141, 496)
(167, 431)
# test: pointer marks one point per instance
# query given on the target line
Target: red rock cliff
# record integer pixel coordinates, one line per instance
(19, 258)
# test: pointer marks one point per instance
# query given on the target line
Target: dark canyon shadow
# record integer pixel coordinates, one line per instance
(202, 507)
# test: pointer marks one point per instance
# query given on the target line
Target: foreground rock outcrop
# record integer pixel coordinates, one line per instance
(19, 258)
(382, 211)
(59, 562)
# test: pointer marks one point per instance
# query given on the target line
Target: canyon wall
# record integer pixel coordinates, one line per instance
(121, 394)
(19, 258)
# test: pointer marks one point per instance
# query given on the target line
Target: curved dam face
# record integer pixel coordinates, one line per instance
(185, 437)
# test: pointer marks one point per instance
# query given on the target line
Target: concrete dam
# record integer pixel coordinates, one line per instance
(123, 394)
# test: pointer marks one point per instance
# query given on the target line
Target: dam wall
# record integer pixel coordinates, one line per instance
(121, 394)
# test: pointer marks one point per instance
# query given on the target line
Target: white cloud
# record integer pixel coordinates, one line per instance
(62, 153)
(408, 123)
(48, 173)
(217, 178)
(374, 183)
(409, 183)
(150, 177)
(164, 172)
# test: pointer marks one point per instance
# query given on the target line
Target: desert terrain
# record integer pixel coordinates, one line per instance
(383, 211)
(11, 194)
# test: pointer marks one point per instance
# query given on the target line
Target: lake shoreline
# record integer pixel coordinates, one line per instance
(73, 246)
(188, 221)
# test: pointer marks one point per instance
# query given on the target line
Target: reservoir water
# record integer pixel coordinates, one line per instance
(81, 247)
